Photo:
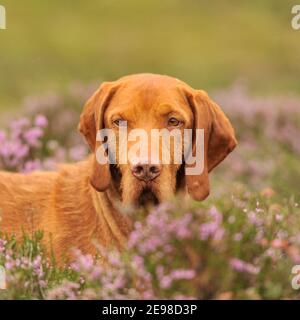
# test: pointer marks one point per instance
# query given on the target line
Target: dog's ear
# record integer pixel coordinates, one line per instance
(219, 139)
(92, 120)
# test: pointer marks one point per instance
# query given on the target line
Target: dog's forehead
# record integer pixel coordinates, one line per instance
(149, 79)
(147, 92)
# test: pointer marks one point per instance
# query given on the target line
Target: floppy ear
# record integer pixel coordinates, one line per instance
(219, 139)
(92, 120)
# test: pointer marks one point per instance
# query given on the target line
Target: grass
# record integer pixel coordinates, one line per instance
(238, 247)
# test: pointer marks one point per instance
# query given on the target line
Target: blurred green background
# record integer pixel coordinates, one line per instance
(209, 44)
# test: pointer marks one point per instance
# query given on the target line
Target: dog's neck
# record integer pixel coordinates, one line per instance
(107, 206)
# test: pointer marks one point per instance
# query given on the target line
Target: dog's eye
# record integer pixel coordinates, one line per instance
(120, 122)
(173, 122)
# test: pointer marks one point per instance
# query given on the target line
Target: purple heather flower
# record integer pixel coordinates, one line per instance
(41, 121)
(32, 165)
(33, 135)
(242, 266)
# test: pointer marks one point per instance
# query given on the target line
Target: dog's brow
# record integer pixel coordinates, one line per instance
(166, 109)
(116, 112)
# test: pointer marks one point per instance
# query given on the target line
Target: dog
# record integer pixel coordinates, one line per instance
(78, 205)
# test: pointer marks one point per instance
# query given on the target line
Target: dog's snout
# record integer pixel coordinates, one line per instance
(146, 172)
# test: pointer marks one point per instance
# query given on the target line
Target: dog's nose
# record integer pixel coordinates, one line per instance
(146, 172)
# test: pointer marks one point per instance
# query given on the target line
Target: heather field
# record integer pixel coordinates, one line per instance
(241, 243)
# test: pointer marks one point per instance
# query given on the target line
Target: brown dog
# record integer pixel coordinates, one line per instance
(79, 204)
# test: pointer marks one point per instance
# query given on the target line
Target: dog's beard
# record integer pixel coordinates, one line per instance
(143, 194)
(147, 198)
(139, 193)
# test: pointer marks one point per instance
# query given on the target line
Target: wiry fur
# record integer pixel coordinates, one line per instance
(78, 205)
(65, 207)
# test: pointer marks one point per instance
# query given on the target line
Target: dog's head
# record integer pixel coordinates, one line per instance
(147, 102)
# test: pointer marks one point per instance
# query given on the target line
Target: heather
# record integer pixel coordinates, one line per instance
(241, 243)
